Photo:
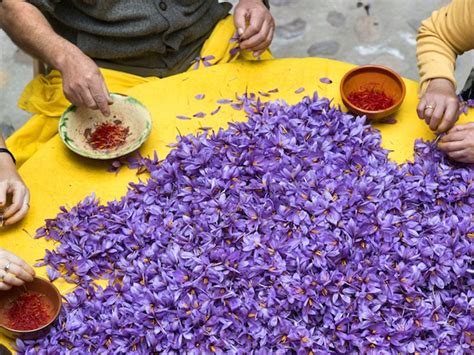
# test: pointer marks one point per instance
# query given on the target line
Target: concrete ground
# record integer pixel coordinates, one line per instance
(361, 32)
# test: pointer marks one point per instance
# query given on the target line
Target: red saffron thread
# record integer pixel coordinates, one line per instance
(28, 312)
(370, 100)
(108, 135)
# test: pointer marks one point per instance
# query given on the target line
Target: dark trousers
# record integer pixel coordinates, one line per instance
(468, 92)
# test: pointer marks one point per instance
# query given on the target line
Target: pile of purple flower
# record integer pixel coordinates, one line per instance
(289, 233)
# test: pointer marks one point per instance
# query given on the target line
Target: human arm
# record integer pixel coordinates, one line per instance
(11, 185)
(14, 271)
(83, 83)
(448, 33)
(458, 143)
(255, 25)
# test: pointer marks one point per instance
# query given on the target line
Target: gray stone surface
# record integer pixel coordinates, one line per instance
(324, 49)
(336, 19)
(295, 28)
(359, 32)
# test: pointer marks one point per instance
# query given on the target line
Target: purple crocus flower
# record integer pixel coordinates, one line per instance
(291, 232)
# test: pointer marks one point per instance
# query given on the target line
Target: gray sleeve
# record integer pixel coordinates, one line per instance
(45, 6)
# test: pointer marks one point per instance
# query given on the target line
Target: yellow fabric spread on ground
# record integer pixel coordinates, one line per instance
(58, 177)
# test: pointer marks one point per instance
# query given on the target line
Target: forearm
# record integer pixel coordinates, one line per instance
(435, 58)
(30, 30)
(6, 162)
(446, 34)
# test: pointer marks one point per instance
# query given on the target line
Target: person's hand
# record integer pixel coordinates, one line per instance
(439, 106)
(12, 188)
(458, 143)
(255, 26)
(14, 271)
(83, 83)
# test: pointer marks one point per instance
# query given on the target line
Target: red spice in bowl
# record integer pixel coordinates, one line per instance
(108, 135)
(376, 87)
(370, 99)
(31, 310)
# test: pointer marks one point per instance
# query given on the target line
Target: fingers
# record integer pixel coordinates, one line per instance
(453, 136)
(436, 116)
(25, 206)
(451, 146)
(461, 127)
(87, 100)
(4, 286)
(458, 143)
(3, 193)
(240, 19)
(260, 49)
(450, 117)
(258, 35)
(17, 271)
(439, 105)
(100, 95)
(12, 258)
(425, 111)
(87, 90)
(18, 192)
(460, 155)
(420, 109)
(256, 19)
(260, 45)
(10, 279)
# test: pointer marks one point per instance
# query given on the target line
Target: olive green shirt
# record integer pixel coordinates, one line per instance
(144, 37)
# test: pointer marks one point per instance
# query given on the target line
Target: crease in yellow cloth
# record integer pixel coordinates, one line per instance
(449, 32)
(44, 97)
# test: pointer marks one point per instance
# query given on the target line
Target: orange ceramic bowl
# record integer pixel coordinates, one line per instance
(373, 77)
(38, 285)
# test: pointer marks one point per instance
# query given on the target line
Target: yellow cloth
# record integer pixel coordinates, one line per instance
(44, 96)
(57, 177)
(448, 33)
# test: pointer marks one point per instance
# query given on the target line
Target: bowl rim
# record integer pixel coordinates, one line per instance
(53, 319)
(372, 66)
(62, 130)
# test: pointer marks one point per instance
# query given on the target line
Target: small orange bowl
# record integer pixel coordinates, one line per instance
(38, 285)
(373, 77)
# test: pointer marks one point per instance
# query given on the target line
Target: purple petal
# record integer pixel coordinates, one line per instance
(325, 80)
(237, 106)
(199, 115)
(234, 51)
(224, 101)
(216, 111)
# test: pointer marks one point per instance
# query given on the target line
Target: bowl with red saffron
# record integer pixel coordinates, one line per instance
(90, 134)
(372, 90)
(28, 311)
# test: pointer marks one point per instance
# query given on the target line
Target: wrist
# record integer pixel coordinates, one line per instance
(6, 155)
(65, 57)
(6, 162)
(441, 82)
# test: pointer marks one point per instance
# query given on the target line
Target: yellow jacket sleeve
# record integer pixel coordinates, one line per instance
(448, 33)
